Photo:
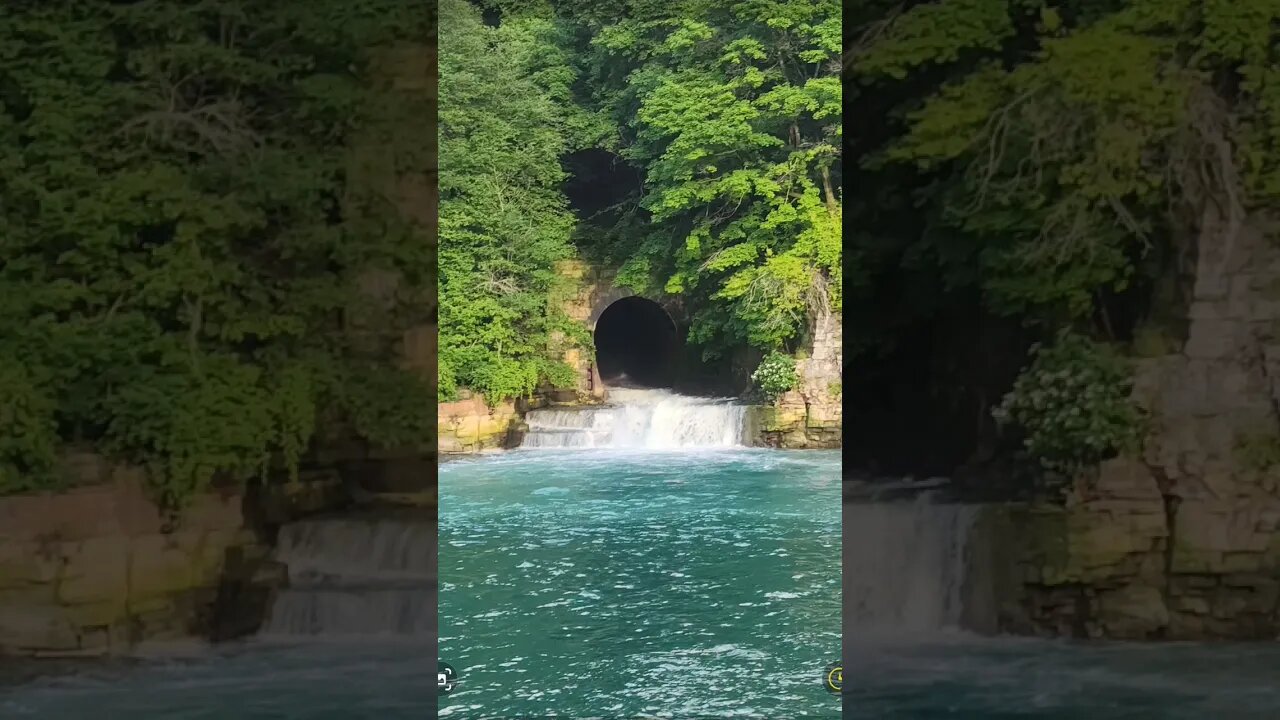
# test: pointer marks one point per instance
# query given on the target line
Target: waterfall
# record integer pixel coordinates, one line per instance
(654, 419)
(356, 577)
(905, 565)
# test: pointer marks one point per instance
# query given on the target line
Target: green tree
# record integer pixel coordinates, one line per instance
(1057, 161)
(179, 237)
(506, 119)
(1064, 141)
(732, 110)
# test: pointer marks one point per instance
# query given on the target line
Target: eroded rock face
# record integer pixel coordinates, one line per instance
(583, 291)
(97, 569)
(470, 425)
(1095, 566)
(810, 416)
(1184, 541)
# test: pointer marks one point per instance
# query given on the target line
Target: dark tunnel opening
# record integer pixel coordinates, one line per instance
(599, 181)
(636, 344)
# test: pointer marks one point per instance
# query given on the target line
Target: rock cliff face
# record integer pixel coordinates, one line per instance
(93, 571)
(810, 416)
(470, 425)
(1184, 540)
(98, 569)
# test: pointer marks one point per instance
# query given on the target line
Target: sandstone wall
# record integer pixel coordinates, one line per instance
(810, 416)
(1094, 567)
(577, 298)
(470, 425)
(97, 569)
(1183, 541)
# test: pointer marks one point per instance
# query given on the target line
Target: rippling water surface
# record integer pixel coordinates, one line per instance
(251, 681)
(962, 677)
(650, 584)
(610, 584)
(956, 678)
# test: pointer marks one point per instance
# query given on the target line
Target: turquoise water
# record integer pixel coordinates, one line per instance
(612, 584)
(682, 585)
(957, 678)
(967, 678)
(250, 681)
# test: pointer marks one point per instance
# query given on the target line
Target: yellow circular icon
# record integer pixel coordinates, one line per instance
(835, 678)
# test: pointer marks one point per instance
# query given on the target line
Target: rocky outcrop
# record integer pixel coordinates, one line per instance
(470, 425)
(98, 569)
(580, 297)
(1214, 405)
(810, 416)
(1116, 561)
(1182, 541)
(807, 417)
(1095, 566)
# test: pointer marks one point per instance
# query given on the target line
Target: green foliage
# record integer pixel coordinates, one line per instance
(387, 405)
(1052, 146)
(1072, 404)
(939, 33)
(733, 112)
(1054, 163)
(183, 233)
(506, 118)
(775, 374)
(29, 439)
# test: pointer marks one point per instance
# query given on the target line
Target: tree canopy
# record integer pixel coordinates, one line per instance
(1055, 147)
(507, 116)
(733, 110)
(730, 113)
(1061, 162)
(181, 235)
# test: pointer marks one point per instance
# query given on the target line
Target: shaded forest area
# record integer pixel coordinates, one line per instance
(1034, 176)
(182, 237)
(185, 230)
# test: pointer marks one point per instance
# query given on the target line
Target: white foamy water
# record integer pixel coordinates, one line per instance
(905, 565)
(356, 577)
(649, 419)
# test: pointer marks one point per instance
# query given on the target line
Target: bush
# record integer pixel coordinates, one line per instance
(446, 382)
(775, 375)
(1072, 404)
(28, 432)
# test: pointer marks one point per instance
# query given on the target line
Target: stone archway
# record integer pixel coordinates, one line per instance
(602, 297)
(637, 343)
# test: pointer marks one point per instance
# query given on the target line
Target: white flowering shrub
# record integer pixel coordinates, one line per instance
(775, 375)
(1072, 404)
